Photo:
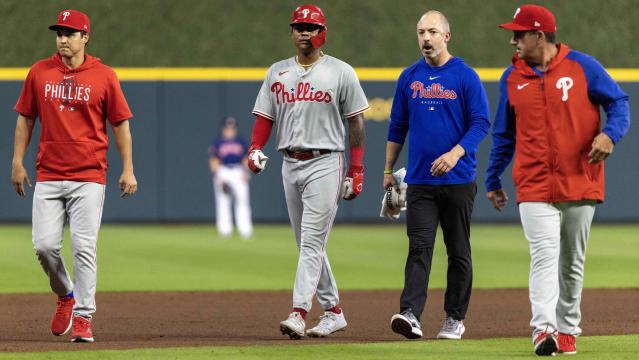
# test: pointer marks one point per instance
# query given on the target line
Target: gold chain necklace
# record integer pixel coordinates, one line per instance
(309, 65)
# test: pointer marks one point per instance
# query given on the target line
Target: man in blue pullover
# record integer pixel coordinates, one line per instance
(441, 104)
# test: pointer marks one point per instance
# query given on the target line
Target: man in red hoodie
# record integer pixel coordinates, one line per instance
(73, 94)
(548, 119)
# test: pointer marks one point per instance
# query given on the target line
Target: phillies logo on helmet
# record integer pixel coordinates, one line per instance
(308, 14)
(65, 15)
(311, 14)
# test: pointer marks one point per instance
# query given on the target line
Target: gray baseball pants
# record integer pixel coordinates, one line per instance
(312, 189)
(80, 203)
(557, 235)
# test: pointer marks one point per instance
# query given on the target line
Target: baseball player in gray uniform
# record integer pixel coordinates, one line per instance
(307, 97)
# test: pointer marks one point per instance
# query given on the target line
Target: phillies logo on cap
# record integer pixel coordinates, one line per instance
(72, 19)
(532, 17)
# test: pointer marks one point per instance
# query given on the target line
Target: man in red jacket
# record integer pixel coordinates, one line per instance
(73, 94)
(548, 118)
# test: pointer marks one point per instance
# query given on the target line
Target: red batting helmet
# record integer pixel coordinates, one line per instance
(311, 14)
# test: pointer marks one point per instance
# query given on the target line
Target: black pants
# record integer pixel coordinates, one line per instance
(451, 206)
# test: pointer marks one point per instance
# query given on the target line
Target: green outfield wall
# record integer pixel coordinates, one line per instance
(177, 114)
(186, 64)
(255, 33)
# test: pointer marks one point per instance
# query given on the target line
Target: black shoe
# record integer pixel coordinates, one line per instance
(406, 324)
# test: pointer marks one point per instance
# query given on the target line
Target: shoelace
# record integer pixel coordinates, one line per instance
(81, 325)
(61, 307)
(545, 333)
(412, 319)
(326, 321)
(450, 325)
(297, 318)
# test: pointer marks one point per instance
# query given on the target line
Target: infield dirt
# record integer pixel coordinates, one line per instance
(130, 320)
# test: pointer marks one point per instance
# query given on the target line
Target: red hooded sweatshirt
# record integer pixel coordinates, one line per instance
(73, 106)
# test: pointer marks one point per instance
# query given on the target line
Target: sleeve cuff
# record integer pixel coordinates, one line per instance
(611, 136)
(270, 117)
(492, 185)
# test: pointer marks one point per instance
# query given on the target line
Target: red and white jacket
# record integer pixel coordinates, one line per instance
(548, 122)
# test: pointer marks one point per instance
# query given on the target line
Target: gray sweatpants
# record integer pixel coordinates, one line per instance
(81, 203)
(312, 190)
(557, 234)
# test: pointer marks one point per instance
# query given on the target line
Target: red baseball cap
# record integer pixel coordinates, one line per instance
(72, 19)
(532, 17)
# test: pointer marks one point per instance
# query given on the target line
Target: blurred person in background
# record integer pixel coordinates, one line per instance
(227, 161)
(549, 119)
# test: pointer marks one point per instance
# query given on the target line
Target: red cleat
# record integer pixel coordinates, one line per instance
(545, 344)
(62, 319)
(81, 330)
(567, 344)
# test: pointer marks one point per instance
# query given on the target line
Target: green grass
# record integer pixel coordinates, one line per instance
(192, 257)
(597, 347)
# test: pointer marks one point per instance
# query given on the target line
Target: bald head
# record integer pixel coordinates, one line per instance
(434, 17)
(433, 35)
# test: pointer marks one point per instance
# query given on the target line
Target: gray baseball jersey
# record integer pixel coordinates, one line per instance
(309, 106)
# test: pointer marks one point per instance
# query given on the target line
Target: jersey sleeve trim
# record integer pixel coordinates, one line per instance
(259, 113)
(25, 114)
(349, 115)
(119, 119)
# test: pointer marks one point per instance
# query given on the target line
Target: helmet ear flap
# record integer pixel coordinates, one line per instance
(320, 39)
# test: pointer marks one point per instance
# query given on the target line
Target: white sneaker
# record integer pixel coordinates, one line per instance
(328, 324)
(294, 326)
(452, 329)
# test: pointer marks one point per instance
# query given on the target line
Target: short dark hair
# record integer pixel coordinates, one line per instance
(69, 31)
(551, 37)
